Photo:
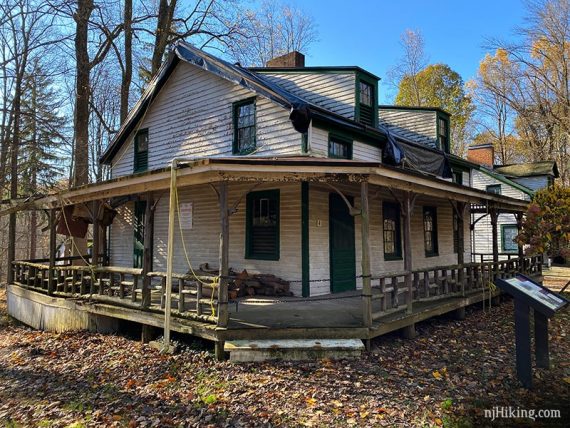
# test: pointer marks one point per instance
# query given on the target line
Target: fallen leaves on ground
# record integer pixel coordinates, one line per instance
(446, 377)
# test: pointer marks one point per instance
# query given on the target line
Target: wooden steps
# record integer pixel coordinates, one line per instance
(292, 350)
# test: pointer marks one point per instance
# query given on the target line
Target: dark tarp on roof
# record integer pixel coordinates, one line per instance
(395, 150)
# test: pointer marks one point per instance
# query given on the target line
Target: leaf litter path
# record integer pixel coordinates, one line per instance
(445, 377)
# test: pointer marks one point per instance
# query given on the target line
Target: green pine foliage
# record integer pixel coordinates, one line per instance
(42, 136)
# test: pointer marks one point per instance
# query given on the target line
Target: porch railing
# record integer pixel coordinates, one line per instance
(390, 292)
(192, 297)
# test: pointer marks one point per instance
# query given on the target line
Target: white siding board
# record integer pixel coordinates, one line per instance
(533, 183)
(416, 125)
(332, 91)
(192, 117)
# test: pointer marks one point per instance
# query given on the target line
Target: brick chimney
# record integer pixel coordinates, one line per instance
(483, 154)
(292, 59)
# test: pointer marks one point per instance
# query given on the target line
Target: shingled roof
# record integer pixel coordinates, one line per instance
(530, 169)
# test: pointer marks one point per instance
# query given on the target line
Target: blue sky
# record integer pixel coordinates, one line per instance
(367, 33)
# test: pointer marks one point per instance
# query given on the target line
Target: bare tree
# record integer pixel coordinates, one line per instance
(274, 30)
(413, 60)
(540, 92)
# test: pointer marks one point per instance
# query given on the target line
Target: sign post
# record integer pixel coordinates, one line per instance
(544, 303)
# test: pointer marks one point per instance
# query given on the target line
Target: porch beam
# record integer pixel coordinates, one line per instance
(366, 280)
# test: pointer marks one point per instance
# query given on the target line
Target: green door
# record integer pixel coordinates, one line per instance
(138, 247)
(341, 245)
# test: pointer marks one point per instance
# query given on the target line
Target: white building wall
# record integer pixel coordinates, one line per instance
(482, 234)
(319, 147)
(192, 117)
(419, 126)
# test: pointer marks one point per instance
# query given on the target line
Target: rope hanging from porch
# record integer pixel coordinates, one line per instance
(216, 279)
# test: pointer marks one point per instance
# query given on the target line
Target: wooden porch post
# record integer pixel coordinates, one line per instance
(170, 253)
(223, 315)
(147, 251)
(95, 248)
(148, 239)
(494, 219)
(52, 249)
(407, 211)
(365, 231)
(519, 217)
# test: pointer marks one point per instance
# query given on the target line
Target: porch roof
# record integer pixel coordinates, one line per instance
(286, 169)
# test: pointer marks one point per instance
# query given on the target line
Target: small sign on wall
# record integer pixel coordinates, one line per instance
(186, 215)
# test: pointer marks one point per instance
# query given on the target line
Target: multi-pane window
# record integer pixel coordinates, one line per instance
(430, 231)
(508, 234)
(443, 134)
(366, 101)
(339, 148)
(391, 230)
(141, 151)
(366, 94)
(494, 188)
(244, 127)
(262, 225)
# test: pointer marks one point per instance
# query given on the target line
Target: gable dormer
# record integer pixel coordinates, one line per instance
(429, 126)
(345, 90)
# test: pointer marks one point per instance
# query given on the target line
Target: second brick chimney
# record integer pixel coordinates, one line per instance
(292, 59)
(483, 154)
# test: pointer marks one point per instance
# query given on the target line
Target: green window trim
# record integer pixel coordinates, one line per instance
(445, 135)
(504, 248)
(493, 188)
(270, 233)
(391, 212)
(339, 139)
(367, 115)
(431, 245)
(140, 161)
(236, 149)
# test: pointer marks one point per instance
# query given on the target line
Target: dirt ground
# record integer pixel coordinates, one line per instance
(447, 376)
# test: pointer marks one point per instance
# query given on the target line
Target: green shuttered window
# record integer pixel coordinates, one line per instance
(141, 151)
(262, 225)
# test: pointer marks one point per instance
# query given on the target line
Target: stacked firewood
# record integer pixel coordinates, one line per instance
(242, 284)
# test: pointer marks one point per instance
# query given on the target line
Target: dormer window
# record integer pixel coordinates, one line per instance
(443, 133)
(244, 127)
(366, 109)
(141, 151)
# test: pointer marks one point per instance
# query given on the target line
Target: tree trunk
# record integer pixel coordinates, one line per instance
(164, 22)
(128, 60)
(82, 93)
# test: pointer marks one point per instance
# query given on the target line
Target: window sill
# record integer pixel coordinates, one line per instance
(255, 257)
(392, 258)
(432, 254)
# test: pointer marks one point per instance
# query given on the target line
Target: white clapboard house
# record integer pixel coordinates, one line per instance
(357, 210)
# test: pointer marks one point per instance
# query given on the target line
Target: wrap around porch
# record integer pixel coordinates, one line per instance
(198, 303)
